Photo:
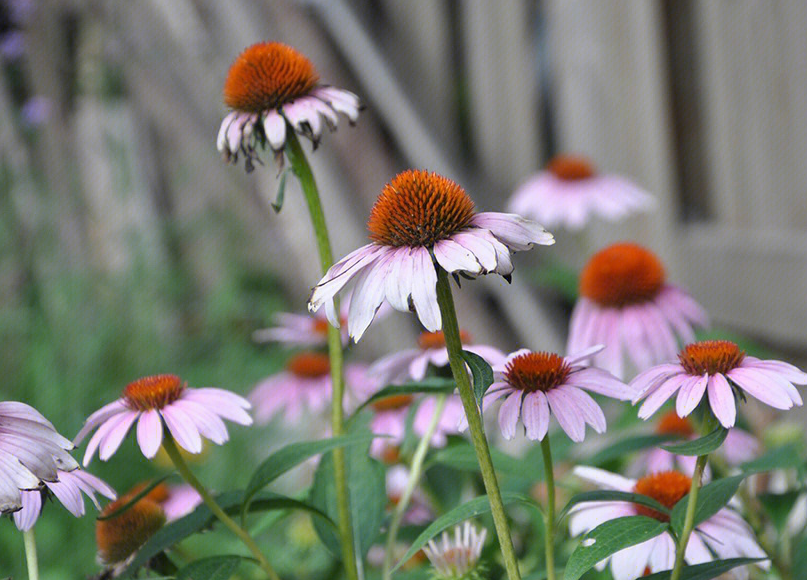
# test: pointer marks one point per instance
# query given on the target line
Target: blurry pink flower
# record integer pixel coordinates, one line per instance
(189, 414)
(181, 500)
(533, 383)
(418, 512)
(719, 369)
(271, 87)
(626, 304)
(419, 215)
(456, 557)
(412, 364)
(568, 193)
(726, 533)
(31, 451)
(304, 330)
(68, 490)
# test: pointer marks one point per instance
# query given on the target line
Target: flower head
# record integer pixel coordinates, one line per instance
(121, 536)
(457, 558)
(420, 218)
(720, 370)
(626, 304)
(726, 533)
(189, 414)
(419, 511)
(569, 192)
(269, 88)
(302, 330)
(176, 500)
(533, 383)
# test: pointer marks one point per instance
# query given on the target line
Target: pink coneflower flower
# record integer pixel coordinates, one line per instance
(412, 364)
(67, 490)
(271, 87)
(533, 383)
(457, 557)
(720, 369)
(189, 414)
(31, 451)
(626, 304)
(121, 536)
(176, 501)
(419, 215)
(304, 330)
(726, 533)
(418, 512)
(569, 192)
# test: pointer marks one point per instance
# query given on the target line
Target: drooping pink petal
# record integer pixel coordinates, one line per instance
(424, 291)
(115, 436)
(564, 408)
(509, 414)
(535, 412)
(150, 432)
(182, 428)
(690, 395)
(659, 396)
(760, 387)
(721, 400)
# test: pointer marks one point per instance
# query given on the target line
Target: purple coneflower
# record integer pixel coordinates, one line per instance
(420, 218)
(303, 330)
(626, 304)
(418, 511)
(719, 369)
(569, 192)
(457, 557)
(189, 414)
(118, 538)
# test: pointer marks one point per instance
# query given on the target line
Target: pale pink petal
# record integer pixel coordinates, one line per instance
(509, 413)
(221, 139)
(482, 249)
(274, 126)
(115, 436)
(424, 290)
(721, 400)
(150, 433)
(515, 231)
(535, 411)
(760, 387)
(183, 429)
(26, 517)
(658, 397)
(588, 408)
(690, 395)
(565, 410)
(629, 564)
(454, 257)
(604, 479)
(341, 273)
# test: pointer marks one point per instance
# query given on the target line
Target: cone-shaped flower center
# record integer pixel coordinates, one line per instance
(672, 424)
(711, 357)
(158, 494)
(266, 75)
(119, 537)
(418, 209)
(309, 365)
(432, 340)
(621, 275)
(154, 392)
(392, 403)
(667, 488)
(570, 167)
(536, 371)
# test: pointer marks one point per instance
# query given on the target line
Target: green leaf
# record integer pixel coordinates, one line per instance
(621, 448)
(712, 497)
(461, 456)
(702, 446)
(779, 505)
(213, 568)
(784, 457)
(800, 557)
(481, 373)
(281, 190)
(429, 386)
(609, 495)
(136, 498)
(608, 538)
(477, 506)
(705, 571)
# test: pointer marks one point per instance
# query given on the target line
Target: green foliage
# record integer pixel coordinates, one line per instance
(481, 372)
(705, 571)
(212, 568)
(610, 495)
(712, 497)
(701, 446)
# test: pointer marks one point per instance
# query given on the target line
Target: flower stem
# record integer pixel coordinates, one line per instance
(451, 332)
(30, 554)
(689, 519)
(549, 517)
(302, 170)
(415, 471)
(176, 457)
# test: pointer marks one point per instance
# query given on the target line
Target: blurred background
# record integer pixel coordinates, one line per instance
(128, 247)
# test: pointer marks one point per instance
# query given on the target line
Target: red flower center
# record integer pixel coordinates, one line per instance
(418, 209)
(711, 357)
(119, 537)
(621, 275)
(154, 392)
(392, 403)
(309, 365)
(672, 424)
(536, 371)
(432, 340)
(266, 75)
(667, 488)
(570, 167)
(321, 325)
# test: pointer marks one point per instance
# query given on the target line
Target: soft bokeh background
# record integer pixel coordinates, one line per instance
(129, 248)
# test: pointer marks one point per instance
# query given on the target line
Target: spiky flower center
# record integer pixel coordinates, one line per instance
(392, 403)
(672, 424)
(154, 392)
(711, 357)
(433, 340)
(536, 371)
(621, 275)
(666, 487)
(570, 167)
(418, 209)
(309, 365)
(267, 75)
(119, 537)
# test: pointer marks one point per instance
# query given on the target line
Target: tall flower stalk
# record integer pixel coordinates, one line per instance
(689, 519)
(30, 554)
(549, 514)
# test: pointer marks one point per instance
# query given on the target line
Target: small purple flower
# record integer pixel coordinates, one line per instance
(181, 501)
(456, 558)
(419, 511)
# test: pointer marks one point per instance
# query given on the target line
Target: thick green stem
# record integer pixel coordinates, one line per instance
(451, 332)
(30, 554)
(302, 170)
(415, 471)
(549, 517)
(176, 457)
(689, 518)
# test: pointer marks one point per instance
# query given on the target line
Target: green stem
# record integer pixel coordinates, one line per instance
(176, 457)
(549, 516)
(415, 471)
(689, 519)
(30, 554)
(302, 170)
(451, 332)
(753, 510)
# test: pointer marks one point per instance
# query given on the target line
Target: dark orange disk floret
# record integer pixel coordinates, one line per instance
(621, 275)
(119, 537)
(536, 371)
(154, 392)
(418, 209)
(392, 403)
(711, 357)
(570, 167)
(667, 488)
(266, 75)
(430, 340)
(309, 365)
(672, 424)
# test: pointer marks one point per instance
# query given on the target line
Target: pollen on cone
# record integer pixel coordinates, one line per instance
(119, 537)
(621, 275)
(570, 167)
(667, 488)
